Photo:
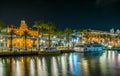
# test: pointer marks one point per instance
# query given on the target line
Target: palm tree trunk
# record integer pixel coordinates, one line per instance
(38, 39)
(11, 43)
(73, 43)
(68, 42)
(41, 38)
(49, 40)
(73, 37)
(25, 43)
(0, 30)
(33, 43)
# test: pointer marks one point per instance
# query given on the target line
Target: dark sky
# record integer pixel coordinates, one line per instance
(76, 14)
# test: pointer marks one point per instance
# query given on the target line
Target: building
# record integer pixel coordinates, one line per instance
(18, 40)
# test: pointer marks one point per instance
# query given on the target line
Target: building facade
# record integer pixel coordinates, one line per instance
(18, 40)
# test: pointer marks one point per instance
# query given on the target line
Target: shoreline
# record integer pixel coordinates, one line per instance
(29, 53)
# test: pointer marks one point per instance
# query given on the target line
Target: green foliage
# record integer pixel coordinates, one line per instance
(59, 33)
(68, 31)
(40, 25)
(50, 26)
(2, 24)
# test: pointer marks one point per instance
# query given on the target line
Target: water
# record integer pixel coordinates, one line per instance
(72, 64)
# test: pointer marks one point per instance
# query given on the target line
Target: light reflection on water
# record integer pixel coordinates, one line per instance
(72, 64)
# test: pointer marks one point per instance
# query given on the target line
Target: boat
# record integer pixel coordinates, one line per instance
(93, 47)
(79, 48)
(116, 47)
(89, 47)
(49, 51)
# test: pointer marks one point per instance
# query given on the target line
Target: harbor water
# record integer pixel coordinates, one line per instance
(66, 64)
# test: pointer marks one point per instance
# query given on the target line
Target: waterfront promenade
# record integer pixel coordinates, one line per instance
(21, 52)
(35, 51)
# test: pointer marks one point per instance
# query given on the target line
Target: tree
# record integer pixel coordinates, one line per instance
(74, 36)
(50, 28)
(40, 25)
(25, 35)
(2, 25)
(12, 32)
(59, 34)
(68, 31)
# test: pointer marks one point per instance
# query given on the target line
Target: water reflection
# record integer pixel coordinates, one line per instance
(54, 67)
(64, 65)
(31, 67)
(41, 67)
(72, 64)
(73, 61)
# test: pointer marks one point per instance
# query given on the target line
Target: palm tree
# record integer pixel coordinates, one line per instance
(86, 33)
(74, 36)
(11, 38)
(50, 29)
(59, 34)
(81, 33)
(25, 35)
(68, 31)
(40, 26)
(2, 25)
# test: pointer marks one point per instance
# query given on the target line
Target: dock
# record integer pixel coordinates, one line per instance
(21, 53)
(67, 51)
(28, 53)
(111, 49)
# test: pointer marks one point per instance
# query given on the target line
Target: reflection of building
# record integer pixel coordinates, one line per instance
(19, 40)
(2, 42)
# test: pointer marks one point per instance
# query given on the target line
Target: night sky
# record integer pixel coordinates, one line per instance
(76, 14)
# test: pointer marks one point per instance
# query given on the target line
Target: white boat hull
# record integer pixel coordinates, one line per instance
(80, 49)
(89, 47)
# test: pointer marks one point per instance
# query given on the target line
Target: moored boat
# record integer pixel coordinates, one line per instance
(93, 47)
(116, 47)
(89, 47)
(49, 51)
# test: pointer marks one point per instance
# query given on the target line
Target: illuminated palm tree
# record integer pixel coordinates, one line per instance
(25, 35)
(74, 36)
(68, 31)
(12, 32)
(50, 29)
(2, 25)
(86, 34)
(40, 26)
(59, 34)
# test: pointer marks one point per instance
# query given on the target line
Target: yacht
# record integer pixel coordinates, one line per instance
(116, 47)
(93, 47)
(89, 47)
